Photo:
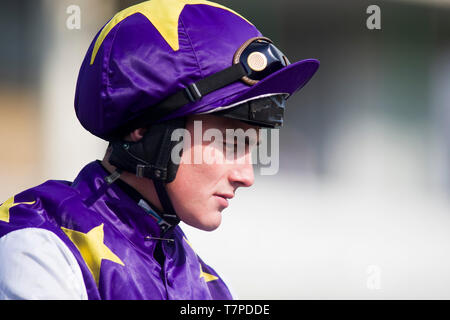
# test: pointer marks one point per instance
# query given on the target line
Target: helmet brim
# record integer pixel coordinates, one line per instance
(286, 81)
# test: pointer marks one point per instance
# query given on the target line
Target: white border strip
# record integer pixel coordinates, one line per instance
(244, 101)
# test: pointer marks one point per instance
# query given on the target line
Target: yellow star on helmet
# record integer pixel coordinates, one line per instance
(7, 205)
(92, 249)
(163, 14)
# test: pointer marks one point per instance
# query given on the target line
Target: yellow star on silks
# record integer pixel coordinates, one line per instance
(92, 249)
(7, 205)
(163, 14)
(207, 276)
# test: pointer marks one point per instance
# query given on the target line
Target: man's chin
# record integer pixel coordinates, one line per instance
(209, 225)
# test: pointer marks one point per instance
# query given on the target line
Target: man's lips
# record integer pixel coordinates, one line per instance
(223, 198)
(225, 195)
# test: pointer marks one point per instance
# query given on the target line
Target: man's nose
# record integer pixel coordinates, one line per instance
(242, 175)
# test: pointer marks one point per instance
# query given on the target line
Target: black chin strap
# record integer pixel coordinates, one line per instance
(163, 158)
(169, 215)
(151, 158)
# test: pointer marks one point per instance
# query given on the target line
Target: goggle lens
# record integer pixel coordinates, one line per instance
(260, 59)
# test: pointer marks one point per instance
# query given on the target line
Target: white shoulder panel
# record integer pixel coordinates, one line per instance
(36, 265)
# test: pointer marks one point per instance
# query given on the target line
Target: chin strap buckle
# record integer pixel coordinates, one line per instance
(152, 172)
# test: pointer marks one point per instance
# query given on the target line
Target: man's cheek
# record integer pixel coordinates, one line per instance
(212, 154)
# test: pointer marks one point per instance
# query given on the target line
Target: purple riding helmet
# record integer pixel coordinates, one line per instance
(156, 62)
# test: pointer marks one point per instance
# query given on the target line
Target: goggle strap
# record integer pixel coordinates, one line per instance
(221, 79)
(194, 92)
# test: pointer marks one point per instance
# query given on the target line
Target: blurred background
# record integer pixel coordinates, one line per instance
(359, 208)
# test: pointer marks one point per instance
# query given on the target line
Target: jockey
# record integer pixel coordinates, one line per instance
(154, 70)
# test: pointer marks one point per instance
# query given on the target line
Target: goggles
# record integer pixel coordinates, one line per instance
(265, 112)
(256, 59)
(260, 58)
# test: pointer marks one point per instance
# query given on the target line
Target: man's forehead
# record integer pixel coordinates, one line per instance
(233, 125)
(223, 123)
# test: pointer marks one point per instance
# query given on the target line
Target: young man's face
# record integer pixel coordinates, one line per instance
(200, 188)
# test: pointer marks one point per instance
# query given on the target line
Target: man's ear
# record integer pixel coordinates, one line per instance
(136, 135)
